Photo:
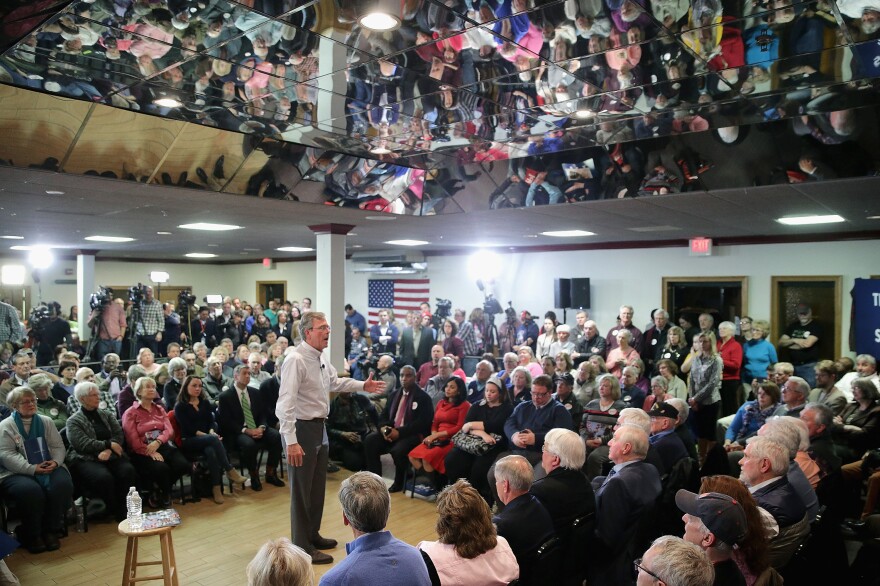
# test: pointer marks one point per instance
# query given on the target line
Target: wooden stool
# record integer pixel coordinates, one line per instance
(169, 565)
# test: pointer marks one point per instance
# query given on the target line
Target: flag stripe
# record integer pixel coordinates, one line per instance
(399, 295)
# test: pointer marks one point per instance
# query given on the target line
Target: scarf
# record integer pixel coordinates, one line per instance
(754, 413)
(35, 432)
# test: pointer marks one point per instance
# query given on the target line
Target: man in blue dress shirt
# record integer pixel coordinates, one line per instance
(374, 556)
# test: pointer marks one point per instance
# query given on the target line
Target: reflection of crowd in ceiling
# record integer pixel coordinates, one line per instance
(554, 102)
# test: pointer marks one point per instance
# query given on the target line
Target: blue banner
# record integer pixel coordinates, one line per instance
(866, 316)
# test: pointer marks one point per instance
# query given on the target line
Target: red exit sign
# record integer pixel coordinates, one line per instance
(701, 247)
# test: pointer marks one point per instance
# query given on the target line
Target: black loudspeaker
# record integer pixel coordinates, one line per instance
(562, 293)
(580, 293)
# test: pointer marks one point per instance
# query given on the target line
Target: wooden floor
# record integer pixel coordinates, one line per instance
(214, 543)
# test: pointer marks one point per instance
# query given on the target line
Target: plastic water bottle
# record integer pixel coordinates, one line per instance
(134, 505)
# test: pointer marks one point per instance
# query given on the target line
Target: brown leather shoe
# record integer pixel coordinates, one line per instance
(324, 543)
(321, 558)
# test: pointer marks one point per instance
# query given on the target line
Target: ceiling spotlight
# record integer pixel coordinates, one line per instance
(168, 102)
(109, 238)
(163, 233)
(41, 257)
(11, 237)
(295, 249)
(809, 220)
(210, 227)
(199, 255)
(54, 192)
(380, 16)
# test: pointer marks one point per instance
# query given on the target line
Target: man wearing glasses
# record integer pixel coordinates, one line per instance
(672, 561)
(307, 379)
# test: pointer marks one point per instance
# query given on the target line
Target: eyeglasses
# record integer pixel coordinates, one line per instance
(637, 564)
(28, 402)
(324, 328)
(540, 395)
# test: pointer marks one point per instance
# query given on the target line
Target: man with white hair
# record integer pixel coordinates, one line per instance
(565, 491)
(794, 394)
(763, 470)
(803, 472)
(477, 387)
(866, 366)
(655, 339)
(437, 384)
(672, 561)
(625, 323)
(630, 490)
(591, 343)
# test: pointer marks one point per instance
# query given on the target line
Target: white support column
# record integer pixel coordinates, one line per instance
(330, 284)
(85, 286)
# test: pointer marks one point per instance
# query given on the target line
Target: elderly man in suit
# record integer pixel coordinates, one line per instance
(565, 491)
(630, 489)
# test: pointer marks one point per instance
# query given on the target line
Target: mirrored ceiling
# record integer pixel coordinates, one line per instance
(467, 104)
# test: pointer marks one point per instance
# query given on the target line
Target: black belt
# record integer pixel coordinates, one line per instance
(315, 420)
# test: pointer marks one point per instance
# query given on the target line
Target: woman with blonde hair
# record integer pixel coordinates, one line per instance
(280, 563)
(704, 390)
(469, 551)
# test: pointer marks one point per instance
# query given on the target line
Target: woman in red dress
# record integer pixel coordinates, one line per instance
(448, 419)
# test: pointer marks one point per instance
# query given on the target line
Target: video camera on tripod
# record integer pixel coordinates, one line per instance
(137, 294)
(443, 311)
(38, 318)
(100, 298)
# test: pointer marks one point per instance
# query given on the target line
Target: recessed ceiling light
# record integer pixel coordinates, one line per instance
(29, 247)
(357, 245)
(199, 255)
(585, 113)
(213, 246)
(295, 249)
(808, 220)
(568, 233)
(210, 227)
(868, 218)
(163, 233)
(387, 218)
(530, 235)
(109, 238)
(10, 237)
(407, 242)
(168, 102)
(54, 192)
(380, 21)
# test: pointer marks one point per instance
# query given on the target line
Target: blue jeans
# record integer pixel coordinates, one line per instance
(807, 372)
(104, 347)
(212, 449)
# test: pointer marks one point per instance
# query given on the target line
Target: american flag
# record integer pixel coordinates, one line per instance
(401, 295)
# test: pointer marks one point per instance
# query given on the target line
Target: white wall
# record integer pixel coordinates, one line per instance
(631, 276)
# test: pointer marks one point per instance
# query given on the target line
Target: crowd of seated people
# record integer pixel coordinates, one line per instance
(790, 451)
(721, 405)
(74, 432)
